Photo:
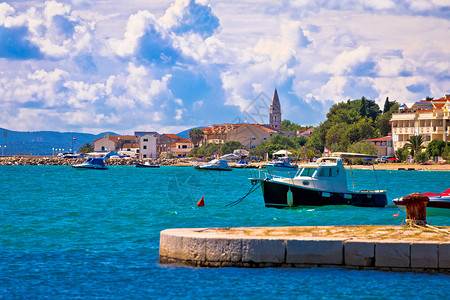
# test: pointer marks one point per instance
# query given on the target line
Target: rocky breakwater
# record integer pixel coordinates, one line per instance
(54, 161)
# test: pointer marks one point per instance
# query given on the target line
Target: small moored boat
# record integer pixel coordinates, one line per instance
(316, 184)
(146, 165)
(439, 204)
(282, 164)
(215, 165)
(92, 163)
(241, 164)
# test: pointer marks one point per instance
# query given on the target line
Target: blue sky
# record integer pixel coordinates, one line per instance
(94, 66)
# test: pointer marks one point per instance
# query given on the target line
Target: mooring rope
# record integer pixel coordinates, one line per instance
(252, 189)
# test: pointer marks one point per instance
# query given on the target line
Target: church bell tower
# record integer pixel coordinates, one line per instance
(275, 112)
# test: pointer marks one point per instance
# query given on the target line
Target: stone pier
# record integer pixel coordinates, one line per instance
(337, 246)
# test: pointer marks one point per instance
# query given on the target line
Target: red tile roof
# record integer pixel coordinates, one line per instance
(385, 138)
(172, 136)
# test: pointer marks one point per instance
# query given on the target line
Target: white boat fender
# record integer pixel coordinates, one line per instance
(290, 198)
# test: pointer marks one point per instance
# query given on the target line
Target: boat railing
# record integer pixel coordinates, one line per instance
(271, 174)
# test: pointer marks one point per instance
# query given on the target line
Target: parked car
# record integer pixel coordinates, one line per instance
(383, 159)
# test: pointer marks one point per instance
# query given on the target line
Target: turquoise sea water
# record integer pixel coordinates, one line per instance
(67, 233)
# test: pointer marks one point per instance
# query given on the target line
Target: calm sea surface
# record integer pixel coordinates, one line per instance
(67, 233)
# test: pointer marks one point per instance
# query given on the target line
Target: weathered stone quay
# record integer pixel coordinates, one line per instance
(54, 161)
(384, 248)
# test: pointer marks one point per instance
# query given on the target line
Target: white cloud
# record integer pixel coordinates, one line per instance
(136, 28)
(345, 61)
(179, 114)
(6, 10)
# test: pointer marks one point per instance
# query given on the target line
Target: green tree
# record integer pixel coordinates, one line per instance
(196, 135)
(446, 153)
(229, 147)
(205, 150)
(86, 148)
(402, 153)
(415, 144)
(363, 148)
(278, 142)
(382, 121)
(422, 157)
(436, 147)
(363, 107)
(387, 105)
(340, 119)
(287, 125)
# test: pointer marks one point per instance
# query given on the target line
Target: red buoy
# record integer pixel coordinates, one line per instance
(201, 202)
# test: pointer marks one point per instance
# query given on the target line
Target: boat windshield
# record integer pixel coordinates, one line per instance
(307, 172)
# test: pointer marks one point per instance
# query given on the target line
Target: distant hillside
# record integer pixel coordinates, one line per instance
(185, 134)
(43, 142)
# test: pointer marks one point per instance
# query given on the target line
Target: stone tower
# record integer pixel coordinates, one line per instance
(275, 112)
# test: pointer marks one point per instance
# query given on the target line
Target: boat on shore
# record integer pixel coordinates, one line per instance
(439, 204)
(97, 163)
(214, 165)
(146, 165)
(316, 184)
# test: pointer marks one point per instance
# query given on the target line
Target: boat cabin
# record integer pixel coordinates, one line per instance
(327, 173)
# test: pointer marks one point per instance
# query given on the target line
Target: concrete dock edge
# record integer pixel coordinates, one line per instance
(203, 248)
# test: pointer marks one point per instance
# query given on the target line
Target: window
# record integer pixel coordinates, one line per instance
(145, 140)
(103, 148)
(184, 146)
(145, 147)
(144, 156)
(265, 138)
(308, 172)
(253, 138)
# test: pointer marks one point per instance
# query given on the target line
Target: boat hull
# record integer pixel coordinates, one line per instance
(276, 195)
(437, 206)
(212, 169)
(146, 166)
(93, 167)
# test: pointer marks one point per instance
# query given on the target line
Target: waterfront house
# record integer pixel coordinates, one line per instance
(181, 148)
(251, 135)
(147, 146)
(428, 118)
(383, 145)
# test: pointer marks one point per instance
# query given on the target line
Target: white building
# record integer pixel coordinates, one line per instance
(147, 146)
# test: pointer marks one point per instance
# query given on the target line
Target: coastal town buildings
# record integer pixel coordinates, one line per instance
(164, 143)
(428, 118)
(217, 134)
(251, 135)
(181, 147)
(383, 145)
(305, 132)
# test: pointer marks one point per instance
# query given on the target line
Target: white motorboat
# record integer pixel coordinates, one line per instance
(282, 164)
(215, 165)
(316, 184)
(241, 164)
(96, 163)
(147, 164)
